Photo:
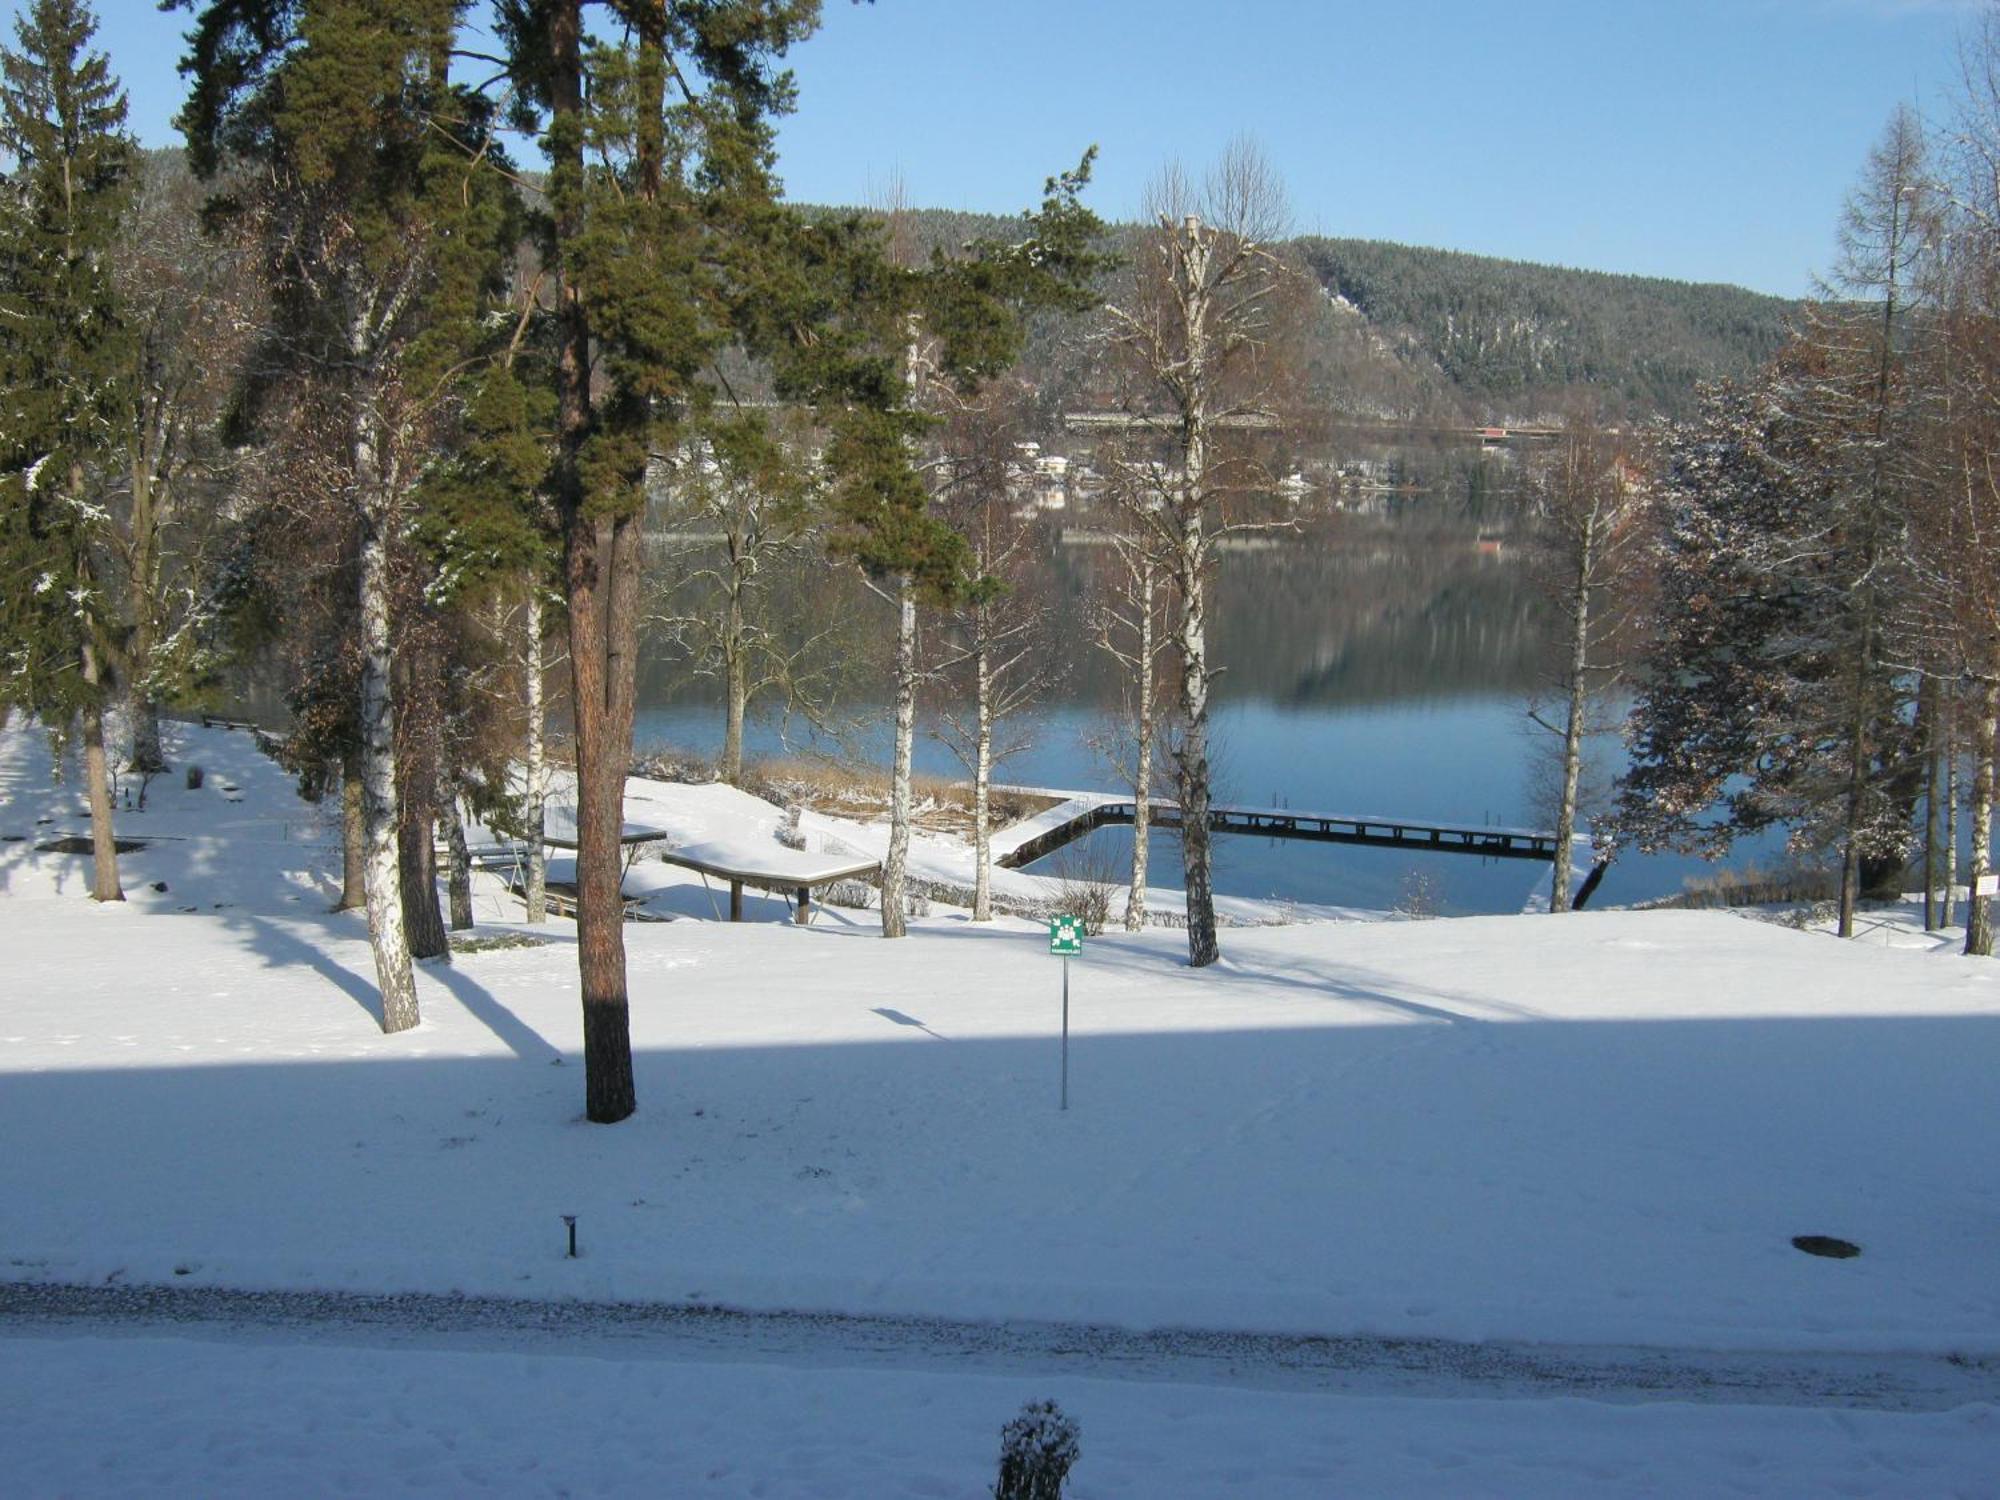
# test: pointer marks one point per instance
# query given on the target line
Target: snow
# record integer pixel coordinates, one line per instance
(1599, 1130)
(168, 1416)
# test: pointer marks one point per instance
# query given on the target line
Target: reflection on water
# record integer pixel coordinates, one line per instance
(1377, 667)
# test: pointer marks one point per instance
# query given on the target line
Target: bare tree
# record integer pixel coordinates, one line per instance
(1200, 331)
(1132, 628)
(1592, 508)
(742, 519)
(999, 636)
(171, 512)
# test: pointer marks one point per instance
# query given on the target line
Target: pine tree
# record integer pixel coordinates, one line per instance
(650, 196)
(65, 365)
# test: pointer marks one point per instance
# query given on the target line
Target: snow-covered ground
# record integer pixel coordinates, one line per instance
(1599, 1130)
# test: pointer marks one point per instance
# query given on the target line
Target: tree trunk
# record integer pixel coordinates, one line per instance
(148, 757)
(143, 604)
(601, 562)
(416, 843)
(1191, 556)
(1929, 716)
(1951, 808)
(97, 779)
(536, 755)
(417, 754)
(736, 673)
(386, 933)
(459, 873)
(353, 841)
(896, 864)
(1572, 763)
(1857, 769)
(982, 784)
(1196, 857)
(1979, 918)
(600, 565)
(1142, 774)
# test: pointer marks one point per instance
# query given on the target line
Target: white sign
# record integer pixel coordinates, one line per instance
(1986, 885)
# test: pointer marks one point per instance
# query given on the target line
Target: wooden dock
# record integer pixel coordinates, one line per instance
(1078, 813)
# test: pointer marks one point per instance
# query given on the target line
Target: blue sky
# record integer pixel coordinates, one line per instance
(1709, 140)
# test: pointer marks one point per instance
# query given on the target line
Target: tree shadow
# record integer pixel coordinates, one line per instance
(280, 949)
(900, 1019)
(526, 1043)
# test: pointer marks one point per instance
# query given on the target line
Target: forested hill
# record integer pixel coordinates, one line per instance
(1438, 334)
(1501, 330)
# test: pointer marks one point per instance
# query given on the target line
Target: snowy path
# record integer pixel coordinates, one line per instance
(1355, 1366)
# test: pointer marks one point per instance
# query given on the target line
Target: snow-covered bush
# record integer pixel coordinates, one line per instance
(1036, 1451)
(856, 895)
(788, 832)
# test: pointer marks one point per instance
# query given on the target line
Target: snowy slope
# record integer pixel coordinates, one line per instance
(1599, 1129)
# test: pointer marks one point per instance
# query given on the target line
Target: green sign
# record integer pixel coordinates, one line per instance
(1066, 936)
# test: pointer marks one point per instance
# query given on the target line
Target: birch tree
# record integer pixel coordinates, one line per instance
(379, 236)
(1133, 629)
(914, 344)
(998, 657)
(1591, 509)
(1198, 330)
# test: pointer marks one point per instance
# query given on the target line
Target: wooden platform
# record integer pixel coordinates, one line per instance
(1080, 813)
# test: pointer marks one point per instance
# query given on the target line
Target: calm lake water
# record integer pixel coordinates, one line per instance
(1378, 666)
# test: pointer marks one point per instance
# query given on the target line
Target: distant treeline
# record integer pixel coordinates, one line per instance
(1440, 335)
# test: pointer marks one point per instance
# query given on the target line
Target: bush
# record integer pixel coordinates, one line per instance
(857, 895)
(788, 832)
(1419, 898)
(1036, 1451)
(194, 778)
(1085, 878)
(1757, 885)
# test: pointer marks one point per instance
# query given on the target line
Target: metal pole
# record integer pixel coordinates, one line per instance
(1065, 1044)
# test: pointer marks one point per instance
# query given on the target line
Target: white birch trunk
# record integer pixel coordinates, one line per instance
(382, 875)
(982, 781)
(1572, 763)
(1196, 861)
(1196, 856)
(1979, 918)
(1951, 812)
(895, 866)
(536, 755)
(735, 668)
(1142, 774)
(104, 885)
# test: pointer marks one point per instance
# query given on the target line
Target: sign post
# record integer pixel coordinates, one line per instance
(1066, 940)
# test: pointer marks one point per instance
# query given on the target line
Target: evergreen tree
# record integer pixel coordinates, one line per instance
(65, 366)
(659, 142)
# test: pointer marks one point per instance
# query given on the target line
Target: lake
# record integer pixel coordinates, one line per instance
(1377, 665)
